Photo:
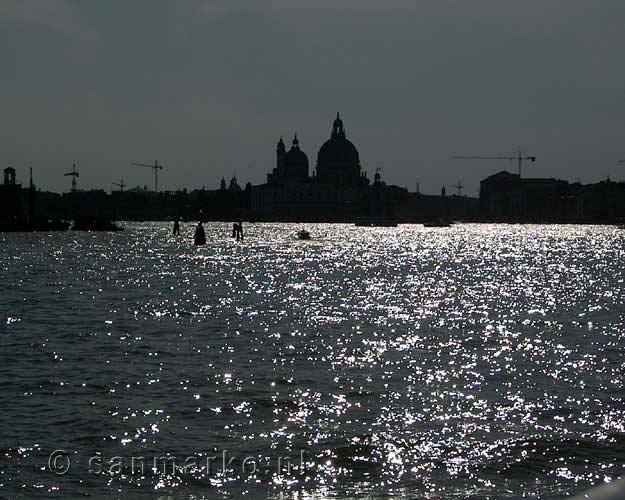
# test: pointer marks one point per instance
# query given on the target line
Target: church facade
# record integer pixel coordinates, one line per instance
(337, 190)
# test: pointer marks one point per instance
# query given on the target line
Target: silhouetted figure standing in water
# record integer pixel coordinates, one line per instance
(240, 231)
(176, 228)
(200, 235)
(237, 230)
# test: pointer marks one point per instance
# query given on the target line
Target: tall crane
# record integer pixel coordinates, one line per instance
(156, 168)
(121, 185)
(74, 174)
(459, 187)
(520, 158)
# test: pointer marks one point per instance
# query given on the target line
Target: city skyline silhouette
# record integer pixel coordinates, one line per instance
(206, 88)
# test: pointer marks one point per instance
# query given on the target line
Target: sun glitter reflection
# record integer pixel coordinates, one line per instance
(483, 361)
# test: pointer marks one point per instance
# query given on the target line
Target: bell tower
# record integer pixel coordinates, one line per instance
(280, 154)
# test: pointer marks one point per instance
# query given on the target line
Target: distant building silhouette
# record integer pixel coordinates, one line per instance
(234, 186)
(9, 176)
(13, 206)
(337, 190)
(340, 190)
(507, 197)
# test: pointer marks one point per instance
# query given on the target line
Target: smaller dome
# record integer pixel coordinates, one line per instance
(296, 156)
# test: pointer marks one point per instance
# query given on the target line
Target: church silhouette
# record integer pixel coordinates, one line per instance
(338, 189)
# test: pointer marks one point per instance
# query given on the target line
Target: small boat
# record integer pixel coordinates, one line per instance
(96, 223)
(303, 235)
(438, 223)
(44, 224)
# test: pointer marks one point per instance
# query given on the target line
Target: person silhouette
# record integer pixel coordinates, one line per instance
(176, 228)
(200, 235)
(240, 231)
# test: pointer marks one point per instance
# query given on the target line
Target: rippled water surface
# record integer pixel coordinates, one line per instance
(480, 361)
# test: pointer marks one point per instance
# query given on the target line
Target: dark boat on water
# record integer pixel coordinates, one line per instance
(95, 224)
(303, 235)
(438, 223)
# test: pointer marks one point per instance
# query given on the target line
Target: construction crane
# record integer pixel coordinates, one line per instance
(121, 185)
(520, 158)
(74, 174)
(459, 187)
(156, 168)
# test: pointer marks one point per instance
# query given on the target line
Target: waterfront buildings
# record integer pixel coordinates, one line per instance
(508, 197)
(336, 189)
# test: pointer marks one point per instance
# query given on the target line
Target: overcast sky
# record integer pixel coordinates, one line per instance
(207, 87)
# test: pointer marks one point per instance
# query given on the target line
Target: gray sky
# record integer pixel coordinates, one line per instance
(207, 87)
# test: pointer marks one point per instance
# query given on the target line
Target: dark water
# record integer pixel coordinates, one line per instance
(472, 362)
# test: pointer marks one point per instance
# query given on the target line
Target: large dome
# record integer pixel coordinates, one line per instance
(338, 161)
(338, 149)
